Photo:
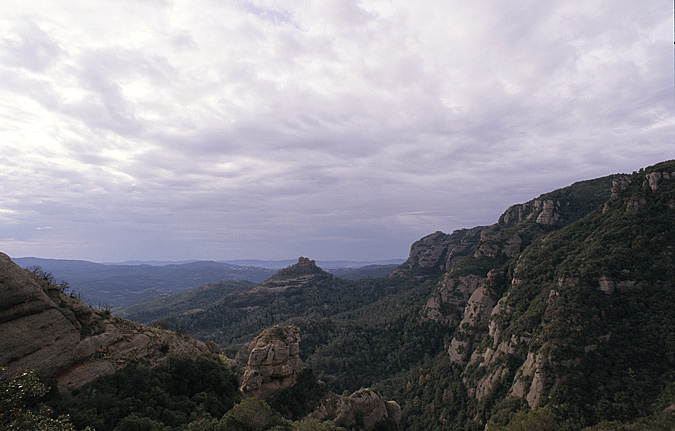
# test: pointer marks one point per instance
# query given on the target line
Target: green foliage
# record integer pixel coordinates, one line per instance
(251, 414)
(159, 309)
(22, 406)
(540, 419)
(316, 425)
(299, 400)
(169, 396)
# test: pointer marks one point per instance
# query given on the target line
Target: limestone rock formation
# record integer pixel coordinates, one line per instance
(273, 362)
(438, 252)
(476, 318)
(363, 409)
(57, 336)
(446, 304)
(300, 274)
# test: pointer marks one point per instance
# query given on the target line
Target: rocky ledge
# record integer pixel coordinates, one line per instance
(59, 337)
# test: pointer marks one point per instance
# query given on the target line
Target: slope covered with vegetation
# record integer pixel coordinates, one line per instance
(558, 317)
(565, 304)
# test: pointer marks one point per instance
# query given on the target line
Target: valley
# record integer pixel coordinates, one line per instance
(559, 316)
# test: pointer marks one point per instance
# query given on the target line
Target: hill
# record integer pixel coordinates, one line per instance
(119, 286)
(114, 374)
(561, 305)
(557, 317)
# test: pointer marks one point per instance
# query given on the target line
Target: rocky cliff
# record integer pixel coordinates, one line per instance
(568, 309)
(59, 337)
(436, 253)
(274, 365)
(464, 258)
(273, 362)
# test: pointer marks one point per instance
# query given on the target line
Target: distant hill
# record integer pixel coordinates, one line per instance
(368, 271)
(119, 286)
(328, 265)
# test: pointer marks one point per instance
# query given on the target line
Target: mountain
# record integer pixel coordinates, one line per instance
(563, 308)
(118, 286)
(559, 316)
(562, 305)
(194, 299)
(302, 289)
(328, 265)
(114, 374)
(368, 271)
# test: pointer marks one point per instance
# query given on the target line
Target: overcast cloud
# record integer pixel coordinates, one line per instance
(334, 129)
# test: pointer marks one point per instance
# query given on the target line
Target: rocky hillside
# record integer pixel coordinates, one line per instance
(56, 335)
(115, 374)
(274, 369)
(564, 302)
(302, 289)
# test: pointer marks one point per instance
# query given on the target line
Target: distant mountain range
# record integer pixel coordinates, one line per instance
(563, 311)
(119, 285)
(270, 264)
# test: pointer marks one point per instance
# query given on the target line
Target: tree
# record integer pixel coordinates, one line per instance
(22, 407)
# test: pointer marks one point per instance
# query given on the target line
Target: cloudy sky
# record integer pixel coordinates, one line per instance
(334, 129)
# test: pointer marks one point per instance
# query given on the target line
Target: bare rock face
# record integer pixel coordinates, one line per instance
(363, 409)
(476, 317)
(446, 304)
(438, 252)
(59, 337)
(655, 178)
(273, 362)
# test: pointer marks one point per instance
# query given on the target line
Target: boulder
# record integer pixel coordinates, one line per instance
(273, 362)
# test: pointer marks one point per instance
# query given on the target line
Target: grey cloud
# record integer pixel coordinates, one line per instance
(32, 49)
(255, 131)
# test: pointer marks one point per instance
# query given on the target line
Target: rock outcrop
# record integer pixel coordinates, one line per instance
(434, 254)
(364, 409)
(273, 362)
(57, 336)
(298, 275)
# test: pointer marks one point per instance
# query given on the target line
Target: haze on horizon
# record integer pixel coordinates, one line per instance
(176, 130)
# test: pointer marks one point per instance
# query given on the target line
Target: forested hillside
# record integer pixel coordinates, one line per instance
(564, 304)
(559, 316)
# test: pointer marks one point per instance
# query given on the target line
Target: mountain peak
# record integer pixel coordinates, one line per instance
(305, 266)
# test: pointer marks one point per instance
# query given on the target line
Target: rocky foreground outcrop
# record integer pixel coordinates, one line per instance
(59, 337)
(273, 362)
(364, 409)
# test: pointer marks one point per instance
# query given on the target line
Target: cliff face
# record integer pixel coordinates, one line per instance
(582, 299)
(59, 337)
(273, 362)
(464, 258)
(436, 253)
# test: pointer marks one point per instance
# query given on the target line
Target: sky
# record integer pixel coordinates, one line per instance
(333, 129)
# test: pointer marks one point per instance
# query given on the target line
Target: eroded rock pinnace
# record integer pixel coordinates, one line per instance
(273, 362)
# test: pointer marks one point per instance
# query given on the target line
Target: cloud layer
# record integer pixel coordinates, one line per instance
(334, 129)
